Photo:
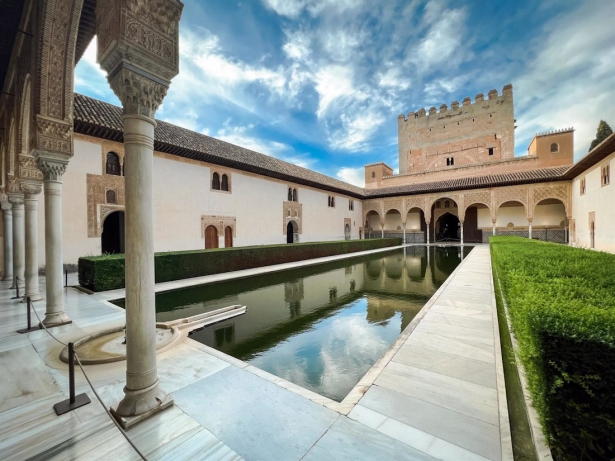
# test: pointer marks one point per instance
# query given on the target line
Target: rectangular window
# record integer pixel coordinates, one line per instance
(582, 184)
(490, 151)
(452, 160)
(351, 205)
(331, 202)
(606, 175)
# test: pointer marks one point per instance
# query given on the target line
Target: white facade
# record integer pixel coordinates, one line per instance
(183, 194)
(597, 206)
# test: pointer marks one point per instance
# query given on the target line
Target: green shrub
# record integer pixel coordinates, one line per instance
(561, 302)
(106, 272)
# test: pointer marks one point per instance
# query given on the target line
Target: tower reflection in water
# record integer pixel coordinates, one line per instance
(321, 327)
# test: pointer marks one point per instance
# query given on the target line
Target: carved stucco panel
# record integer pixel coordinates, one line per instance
(292, 211)
(97, 207)
(510, 194)
(472, 198)
(219, 222)
(557, 191)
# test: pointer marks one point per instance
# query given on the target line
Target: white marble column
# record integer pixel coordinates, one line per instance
(403, 225)
(141, 87)
(7, 214)
(53, 169)
(31, 191)
(493, 229)
(19, 246)
(427, 232)
(529, 229)
(461, 231)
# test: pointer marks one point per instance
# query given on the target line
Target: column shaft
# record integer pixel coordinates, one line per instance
(427, 232)
(19, 248)
(142, 393)
(54, 314)
(461, 229)
(8, 241)
(31, 250)
(530, 230)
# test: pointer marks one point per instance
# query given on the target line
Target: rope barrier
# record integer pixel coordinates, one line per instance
(92, 387)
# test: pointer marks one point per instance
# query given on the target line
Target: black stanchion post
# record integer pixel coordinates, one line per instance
(73, 401)
(65, 278)
(29, 329)
(16, 288)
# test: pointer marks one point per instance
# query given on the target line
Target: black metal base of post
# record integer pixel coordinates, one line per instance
(65, 405)
(28, 330)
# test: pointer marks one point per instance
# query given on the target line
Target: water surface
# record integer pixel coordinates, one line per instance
(321, 327)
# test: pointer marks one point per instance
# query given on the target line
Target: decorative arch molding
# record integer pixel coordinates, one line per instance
(414, 202)
(219, 222)
(97, 206)
(373, 205)
(559, 192)
(457, 198)
(396, 204)
(12, 150)
(505, 194)
(103, 212)
(54, 95)
(473, 198)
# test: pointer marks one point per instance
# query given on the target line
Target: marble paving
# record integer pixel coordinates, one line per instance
(437, 394)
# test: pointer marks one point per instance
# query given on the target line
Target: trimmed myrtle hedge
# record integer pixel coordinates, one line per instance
(106, 272)
(561, 302)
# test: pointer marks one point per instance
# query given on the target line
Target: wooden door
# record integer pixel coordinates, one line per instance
(211, 237)
(228, 237)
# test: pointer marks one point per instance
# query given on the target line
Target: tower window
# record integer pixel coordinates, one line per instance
(490, 150)
(554, 148)
(373, 174)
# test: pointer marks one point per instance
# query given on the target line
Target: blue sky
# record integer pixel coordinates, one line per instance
(320, 83)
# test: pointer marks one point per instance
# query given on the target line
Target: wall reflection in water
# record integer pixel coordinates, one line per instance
(321, 327)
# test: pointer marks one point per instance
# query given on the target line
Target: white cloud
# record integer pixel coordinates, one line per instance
(354, 176)
(356, 131)
(239, 136)
(334, 82)
(293, 8)
(569, 81)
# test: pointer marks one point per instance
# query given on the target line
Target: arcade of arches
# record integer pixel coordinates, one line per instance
(533, 211)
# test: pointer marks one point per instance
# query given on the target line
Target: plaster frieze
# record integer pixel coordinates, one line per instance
(219, 222)
(28, 169)
(54, 136)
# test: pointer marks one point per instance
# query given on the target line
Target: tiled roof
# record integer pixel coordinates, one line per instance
(596, 155)
(100, 119)
(477, 182)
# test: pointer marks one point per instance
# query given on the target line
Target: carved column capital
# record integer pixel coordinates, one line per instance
(31, 188)
(6, 205)
(52, 168)
(139, 94)
(138, 46)
(16, 199)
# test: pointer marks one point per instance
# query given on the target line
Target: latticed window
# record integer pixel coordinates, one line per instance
(215, 181)
(554, 148)
(113, 164)
(224, 182)
(606, 175)
(582, 185)
(111, 196)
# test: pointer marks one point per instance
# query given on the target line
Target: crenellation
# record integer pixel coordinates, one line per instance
(432, 110)
(466, 101)
(493, 94)
(480, 97)
(455, 105)
(443, 108)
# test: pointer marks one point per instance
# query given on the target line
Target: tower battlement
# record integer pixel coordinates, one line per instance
(473, 131)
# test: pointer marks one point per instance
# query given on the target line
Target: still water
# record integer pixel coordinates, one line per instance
(321, 327)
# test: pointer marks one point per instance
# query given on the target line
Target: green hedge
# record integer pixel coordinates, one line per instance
(106, 272)
(561, 302)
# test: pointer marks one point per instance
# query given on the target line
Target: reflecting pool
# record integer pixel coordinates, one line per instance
(321, 327)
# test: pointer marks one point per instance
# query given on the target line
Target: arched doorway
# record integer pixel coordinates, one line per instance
(372, 224)
(346, 232)
(228, 237)
(211, 237)
(291, 232)
(447, 228)
(112, 238)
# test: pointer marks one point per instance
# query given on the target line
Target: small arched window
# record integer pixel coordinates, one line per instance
(332, 201)
(111, 196)
(373, 174)
(290, 194)
(438, 204)
(446, 204)
(554, 148)
(294, 195)
(215, 181)
(113, 164)
(329, 200)
(225, 182)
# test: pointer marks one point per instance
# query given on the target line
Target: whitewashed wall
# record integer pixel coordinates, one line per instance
(182, 194)
(598, 199)
(544, 215)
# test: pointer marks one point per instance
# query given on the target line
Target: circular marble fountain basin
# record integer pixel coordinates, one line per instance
(106, 346)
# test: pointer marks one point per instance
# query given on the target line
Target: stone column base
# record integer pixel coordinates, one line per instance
(34, 298)
(128, 421)
(56, 319)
